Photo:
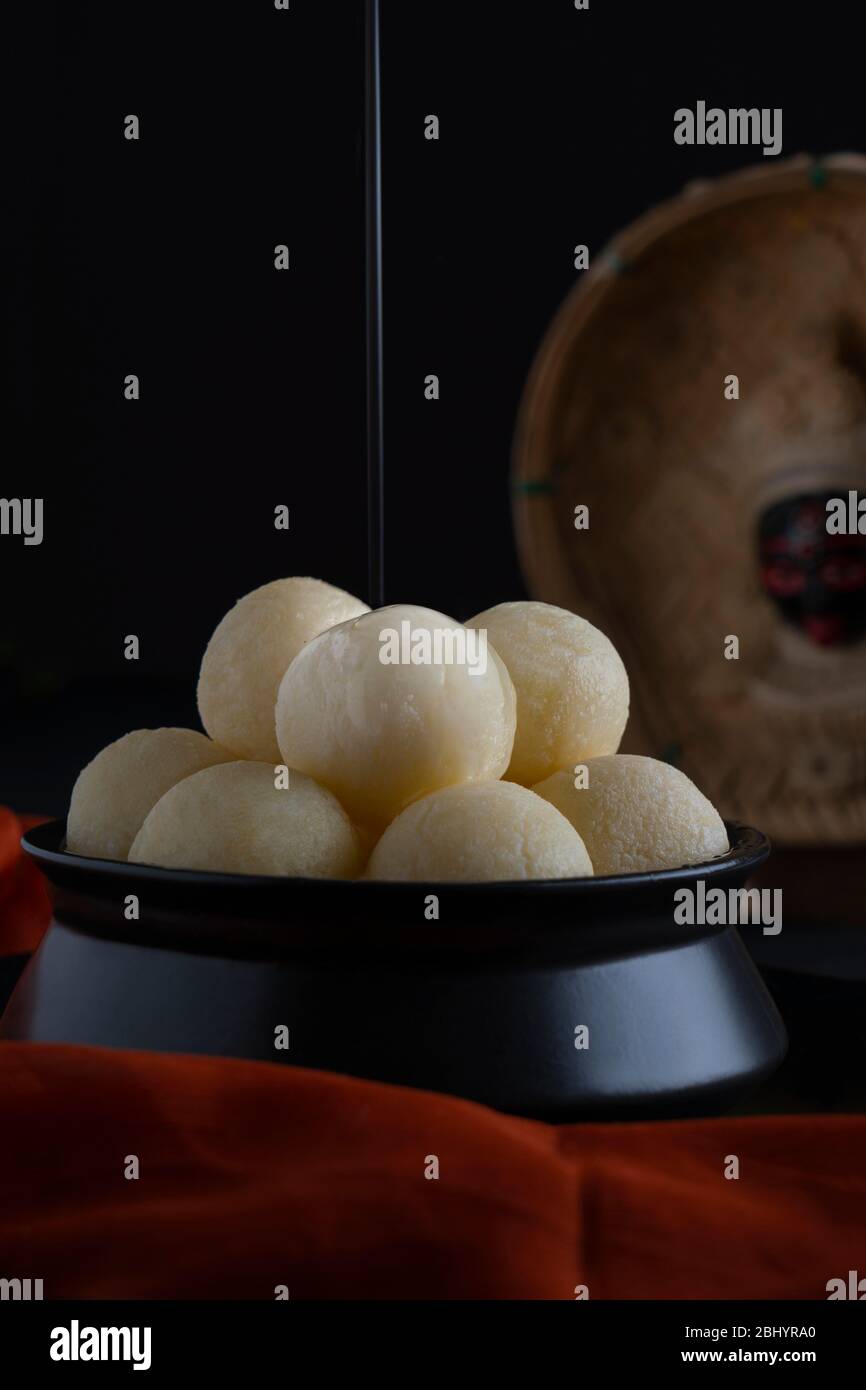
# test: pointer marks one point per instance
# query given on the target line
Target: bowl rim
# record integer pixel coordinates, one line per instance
(749, 848)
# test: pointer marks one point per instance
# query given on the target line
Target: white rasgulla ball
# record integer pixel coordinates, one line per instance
(250, 651)
(637, 815)
(382, 734)
(115, 791)
(572, 688)
(235, 819)
(476, 833)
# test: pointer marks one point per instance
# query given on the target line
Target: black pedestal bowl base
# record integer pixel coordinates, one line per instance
(560, 999)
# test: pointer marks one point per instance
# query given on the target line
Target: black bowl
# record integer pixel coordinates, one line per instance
(483, 1001)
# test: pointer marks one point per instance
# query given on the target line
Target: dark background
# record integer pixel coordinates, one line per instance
(156, 258)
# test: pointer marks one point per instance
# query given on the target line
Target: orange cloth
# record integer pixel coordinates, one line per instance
(253, 1175)
(25, 907)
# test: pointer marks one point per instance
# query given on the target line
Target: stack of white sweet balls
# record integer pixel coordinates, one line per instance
(396, 744)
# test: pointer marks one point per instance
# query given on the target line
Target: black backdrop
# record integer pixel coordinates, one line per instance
(156, 258)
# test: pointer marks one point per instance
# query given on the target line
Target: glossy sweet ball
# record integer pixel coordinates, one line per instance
(115, 791)
(251, 649)
(572, 688)
(234, 819)
(637, 815)
(482, 832)
(383, 710)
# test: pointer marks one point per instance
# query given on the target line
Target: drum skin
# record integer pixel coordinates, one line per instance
(702, 393)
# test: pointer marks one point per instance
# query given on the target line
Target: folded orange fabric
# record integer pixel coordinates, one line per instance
(25, 906)
(253, 1176)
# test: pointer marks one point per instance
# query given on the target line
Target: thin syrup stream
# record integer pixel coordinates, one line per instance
(375, 398)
